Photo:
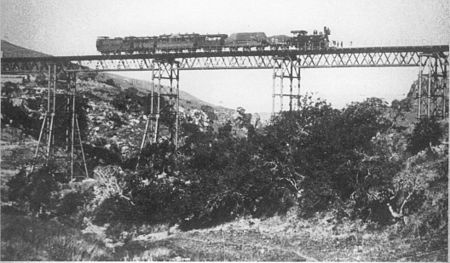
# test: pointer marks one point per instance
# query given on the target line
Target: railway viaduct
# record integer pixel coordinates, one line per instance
(431, 93)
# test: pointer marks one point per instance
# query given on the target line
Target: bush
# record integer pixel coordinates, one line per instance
(75, 202)
(27, 239)
(70, 202)
(99, 154)
(111, 82)
(427, 132)
(17, 116)
(37, 191)
(17, 190)
(129, 100)
(425, 181)
(210, 112)
(114, 209)
(376, 170)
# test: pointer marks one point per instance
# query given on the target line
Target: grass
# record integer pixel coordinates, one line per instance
(25, 238)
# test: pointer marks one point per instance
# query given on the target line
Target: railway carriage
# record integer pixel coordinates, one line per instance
(145, 44)
(128, 45)
(212, 42)
(178, 42)
(247, 40)
(279, 42)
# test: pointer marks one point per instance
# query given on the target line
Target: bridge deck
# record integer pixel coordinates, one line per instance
(392, 56)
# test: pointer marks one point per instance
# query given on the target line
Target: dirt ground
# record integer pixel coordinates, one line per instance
(282, 239)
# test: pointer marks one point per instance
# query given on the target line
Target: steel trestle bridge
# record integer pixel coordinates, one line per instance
(431, 91)
(341, 57)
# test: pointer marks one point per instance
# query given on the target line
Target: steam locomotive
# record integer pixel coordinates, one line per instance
(214, 42)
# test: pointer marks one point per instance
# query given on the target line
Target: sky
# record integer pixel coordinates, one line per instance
(71, 27)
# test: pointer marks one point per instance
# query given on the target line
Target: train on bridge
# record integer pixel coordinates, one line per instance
(247, 41)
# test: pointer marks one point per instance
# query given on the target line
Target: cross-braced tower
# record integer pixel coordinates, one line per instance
(432, 89)
(164, 103)
(46, 151)
(286, 96)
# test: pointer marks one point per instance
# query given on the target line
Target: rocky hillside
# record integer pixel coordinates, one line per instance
(116, 109)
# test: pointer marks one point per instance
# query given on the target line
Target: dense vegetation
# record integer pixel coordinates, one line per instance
(356, 162)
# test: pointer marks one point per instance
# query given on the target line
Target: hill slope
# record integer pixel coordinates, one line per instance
(10, 50)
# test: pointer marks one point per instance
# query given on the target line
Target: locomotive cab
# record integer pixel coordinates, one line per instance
(315, 41)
